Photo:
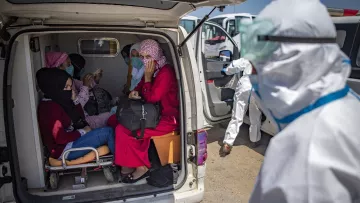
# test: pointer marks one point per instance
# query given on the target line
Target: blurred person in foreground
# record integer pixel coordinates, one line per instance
(299, 79)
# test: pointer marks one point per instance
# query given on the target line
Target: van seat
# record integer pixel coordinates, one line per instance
(89, 157)
(168, 147)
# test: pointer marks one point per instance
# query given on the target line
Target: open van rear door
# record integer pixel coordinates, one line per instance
(158, 13)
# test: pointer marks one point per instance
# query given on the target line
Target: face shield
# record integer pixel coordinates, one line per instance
(259, 42)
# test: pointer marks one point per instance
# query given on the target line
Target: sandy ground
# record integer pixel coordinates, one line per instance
(231, 179)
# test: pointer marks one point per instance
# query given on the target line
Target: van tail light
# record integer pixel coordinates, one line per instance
(336, 12)
(201, 147)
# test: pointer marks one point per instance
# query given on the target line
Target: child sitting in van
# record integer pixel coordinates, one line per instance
(81, 89)
(62, 123)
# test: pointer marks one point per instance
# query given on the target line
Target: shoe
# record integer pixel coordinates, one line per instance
(254, 144)
(225, 150)
(130, 178)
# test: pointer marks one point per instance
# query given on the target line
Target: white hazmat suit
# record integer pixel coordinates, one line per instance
(316, 155)
(242, 98)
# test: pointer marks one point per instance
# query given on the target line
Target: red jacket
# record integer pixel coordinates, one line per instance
(163, 89)
(55, 127)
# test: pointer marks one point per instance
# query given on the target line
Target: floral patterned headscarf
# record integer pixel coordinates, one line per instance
(152, 48)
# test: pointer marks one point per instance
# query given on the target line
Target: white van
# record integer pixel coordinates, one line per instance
(231, 22)
(189, 23)
(30, 28)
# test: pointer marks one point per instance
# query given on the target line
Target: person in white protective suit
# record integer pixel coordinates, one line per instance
(242, 99)
(300, 83)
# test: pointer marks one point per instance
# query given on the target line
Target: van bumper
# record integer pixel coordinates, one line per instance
(193, 196)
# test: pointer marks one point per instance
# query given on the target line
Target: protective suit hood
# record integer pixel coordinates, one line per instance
(296, 75)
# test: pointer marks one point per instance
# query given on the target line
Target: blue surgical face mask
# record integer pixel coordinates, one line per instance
(136, 62)
(70, 70)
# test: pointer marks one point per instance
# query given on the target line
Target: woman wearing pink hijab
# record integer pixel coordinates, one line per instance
(158, 84)
(81, 89)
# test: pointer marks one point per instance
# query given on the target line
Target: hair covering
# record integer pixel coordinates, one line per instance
(52, 81)
(152, 48)
(296, 75)
(135, 46)
(79, 64)
(126, 50)
(55, 59)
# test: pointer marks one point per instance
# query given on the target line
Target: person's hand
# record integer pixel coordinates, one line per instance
(149, 71)
(73, 95)
(134, 95)
(88, 80)
(98, 75)
(87, 129)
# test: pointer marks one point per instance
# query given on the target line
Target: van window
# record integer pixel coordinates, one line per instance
(340, 37)
(188, 25)
(218, 21)
(238, 22)
(163, 5)
(216, 40)
(99, 47)
(358, 58)
(230, 27)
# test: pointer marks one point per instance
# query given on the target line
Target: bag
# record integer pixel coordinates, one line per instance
(164, 176)
(103, 99)
(99, 101)
(138, 115)
(91, 106)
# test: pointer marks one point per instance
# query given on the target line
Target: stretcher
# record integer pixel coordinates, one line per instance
(97, 159)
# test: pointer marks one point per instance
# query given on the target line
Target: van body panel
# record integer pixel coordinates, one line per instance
(47, 41)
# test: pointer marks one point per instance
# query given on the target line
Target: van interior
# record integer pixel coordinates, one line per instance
(101, 50)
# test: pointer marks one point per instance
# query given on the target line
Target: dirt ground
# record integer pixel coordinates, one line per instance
(231, 179)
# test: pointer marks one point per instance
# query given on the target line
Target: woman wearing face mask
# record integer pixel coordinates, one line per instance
(159, 84)
(137, 66)
(62, 124)
(80, 89)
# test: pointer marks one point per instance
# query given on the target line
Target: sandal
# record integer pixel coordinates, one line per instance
(130, 178)
(225, 150)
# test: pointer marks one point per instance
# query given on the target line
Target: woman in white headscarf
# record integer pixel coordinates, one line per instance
(137, 66)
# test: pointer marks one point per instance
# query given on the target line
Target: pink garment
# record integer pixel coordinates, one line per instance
(82, 97)
(152, 48)
(98, 121)
(55, 59)
(82, 92)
